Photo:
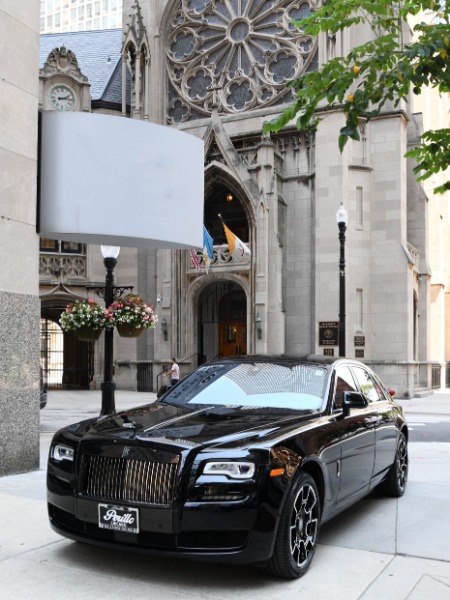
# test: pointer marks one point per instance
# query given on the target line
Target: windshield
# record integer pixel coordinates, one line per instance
(263, 385)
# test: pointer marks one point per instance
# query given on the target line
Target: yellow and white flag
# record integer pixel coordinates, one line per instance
(238, 249)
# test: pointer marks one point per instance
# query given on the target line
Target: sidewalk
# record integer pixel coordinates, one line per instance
(382, 548)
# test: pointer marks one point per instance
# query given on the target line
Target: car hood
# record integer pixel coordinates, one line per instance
(199, 426)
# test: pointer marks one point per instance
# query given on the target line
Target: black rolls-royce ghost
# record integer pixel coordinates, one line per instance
(241, 461)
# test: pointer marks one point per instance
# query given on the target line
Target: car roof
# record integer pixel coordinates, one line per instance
(317, 359)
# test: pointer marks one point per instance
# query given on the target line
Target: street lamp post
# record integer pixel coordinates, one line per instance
(341, 217)
(110, 254)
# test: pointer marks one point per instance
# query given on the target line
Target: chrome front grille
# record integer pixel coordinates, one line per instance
(127, 480)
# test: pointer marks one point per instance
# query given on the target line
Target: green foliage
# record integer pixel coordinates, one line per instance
(385, 69)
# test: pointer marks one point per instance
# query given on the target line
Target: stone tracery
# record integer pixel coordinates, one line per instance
(234, 54)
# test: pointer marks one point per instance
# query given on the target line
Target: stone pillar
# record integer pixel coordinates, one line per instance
(124, 83)
(269, 258)
(137, 86)
(19, 248)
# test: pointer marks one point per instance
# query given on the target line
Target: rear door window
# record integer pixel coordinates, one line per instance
(369, 387)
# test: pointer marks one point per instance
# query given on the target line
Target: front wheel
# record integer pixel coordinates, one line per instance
(298, 530)
(395, 482)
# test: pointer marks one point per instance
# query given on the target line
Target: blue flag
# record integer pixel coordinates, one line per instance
(207, 248)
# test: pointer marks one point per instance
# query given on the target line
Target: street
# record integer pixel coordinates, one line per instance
(380, 548)
(429, 430)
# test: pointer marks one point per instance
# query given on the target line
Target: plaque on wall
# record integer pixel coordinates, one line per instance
(328, 333)
(360, 340)
(359, 353)
(328, 351)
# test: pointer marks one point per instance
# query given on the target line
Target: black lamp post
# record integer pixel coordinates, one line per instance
(341, 217)
(110, 254)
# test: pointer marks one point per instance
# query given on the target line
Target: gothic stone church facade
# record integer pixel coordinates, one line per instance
(219, 71)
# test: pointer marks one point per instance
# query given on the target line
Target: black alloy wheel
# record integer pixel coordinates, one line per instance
(298, 530)
(395, 483)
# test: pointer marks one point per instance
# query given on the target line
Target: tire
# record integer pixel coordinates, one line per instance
(298, 530)
(395, 483)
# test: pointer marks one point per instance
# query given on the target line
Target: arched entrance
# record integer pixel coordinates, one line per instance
(222, 321)
(66, 362)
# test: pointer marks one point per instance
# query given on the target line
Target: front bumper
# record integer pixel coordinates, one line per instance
(237, 533)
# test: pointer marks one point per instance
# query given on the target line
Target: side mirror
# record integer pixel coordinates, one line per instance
(353, 400)
(391, 393)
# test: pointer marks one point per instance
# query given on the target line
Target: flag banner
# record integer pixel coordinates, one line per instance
(238, 249)
(207, 248)
(194, 259)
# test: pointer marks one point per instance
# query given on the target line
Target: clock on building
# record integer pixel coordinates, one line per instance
(62, 97)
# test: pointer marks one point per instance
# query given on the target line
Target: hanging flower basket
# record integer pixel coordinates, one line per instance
(131, 315)
(125, 330)
(87, 334)
(86, 319)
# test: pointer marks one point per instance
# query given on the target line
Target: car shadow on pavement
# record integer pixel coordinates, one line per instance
(159, 570)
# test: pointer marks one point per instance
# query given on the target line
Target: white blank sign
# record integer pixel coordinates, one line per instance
(124, 182)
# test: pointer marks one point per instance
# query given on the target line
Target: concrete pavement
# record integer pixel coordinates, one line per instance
(382, 548)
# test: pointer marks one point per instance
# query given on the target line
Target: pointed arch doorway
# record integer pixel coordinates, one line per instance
(222, 321)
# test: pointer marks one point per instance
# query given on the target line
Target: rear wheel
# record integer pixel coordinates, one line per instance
(298, 530)
(395, 483)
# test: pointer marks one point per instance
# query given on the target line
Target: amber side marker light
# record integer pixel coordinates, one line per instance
(276, 472)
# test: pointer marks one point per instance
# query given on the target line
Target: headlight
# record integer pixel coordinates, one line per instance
(235, 470)
(62, 452)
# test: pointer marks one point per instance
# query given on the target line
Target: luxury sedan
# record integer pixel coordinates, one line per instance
(240, 462)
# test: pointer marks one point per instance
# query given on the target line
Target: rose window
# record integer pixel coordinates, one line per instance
(235, 55)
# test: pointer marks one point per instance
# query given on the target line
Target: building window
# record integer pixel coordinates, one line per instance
(61, 247)
(240, 41)
(359, 207)
(47, 245)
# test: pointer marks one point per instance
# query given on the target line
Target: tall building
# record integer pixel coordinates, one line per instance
(79, 15)
(218, 71)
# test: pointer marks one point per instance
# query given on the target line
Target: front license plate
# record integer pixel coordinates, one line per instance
(118, 518)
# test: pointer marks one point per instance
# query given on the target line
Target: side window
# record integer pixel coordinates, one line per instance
(344, 383)
(369, 387)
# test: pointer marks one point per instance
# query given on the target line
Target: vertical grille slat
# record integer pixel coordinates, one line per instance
(129, 480)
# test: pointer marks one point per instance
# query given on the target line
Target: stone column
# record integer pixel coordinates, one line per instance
(19, 243)
(269, 258)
